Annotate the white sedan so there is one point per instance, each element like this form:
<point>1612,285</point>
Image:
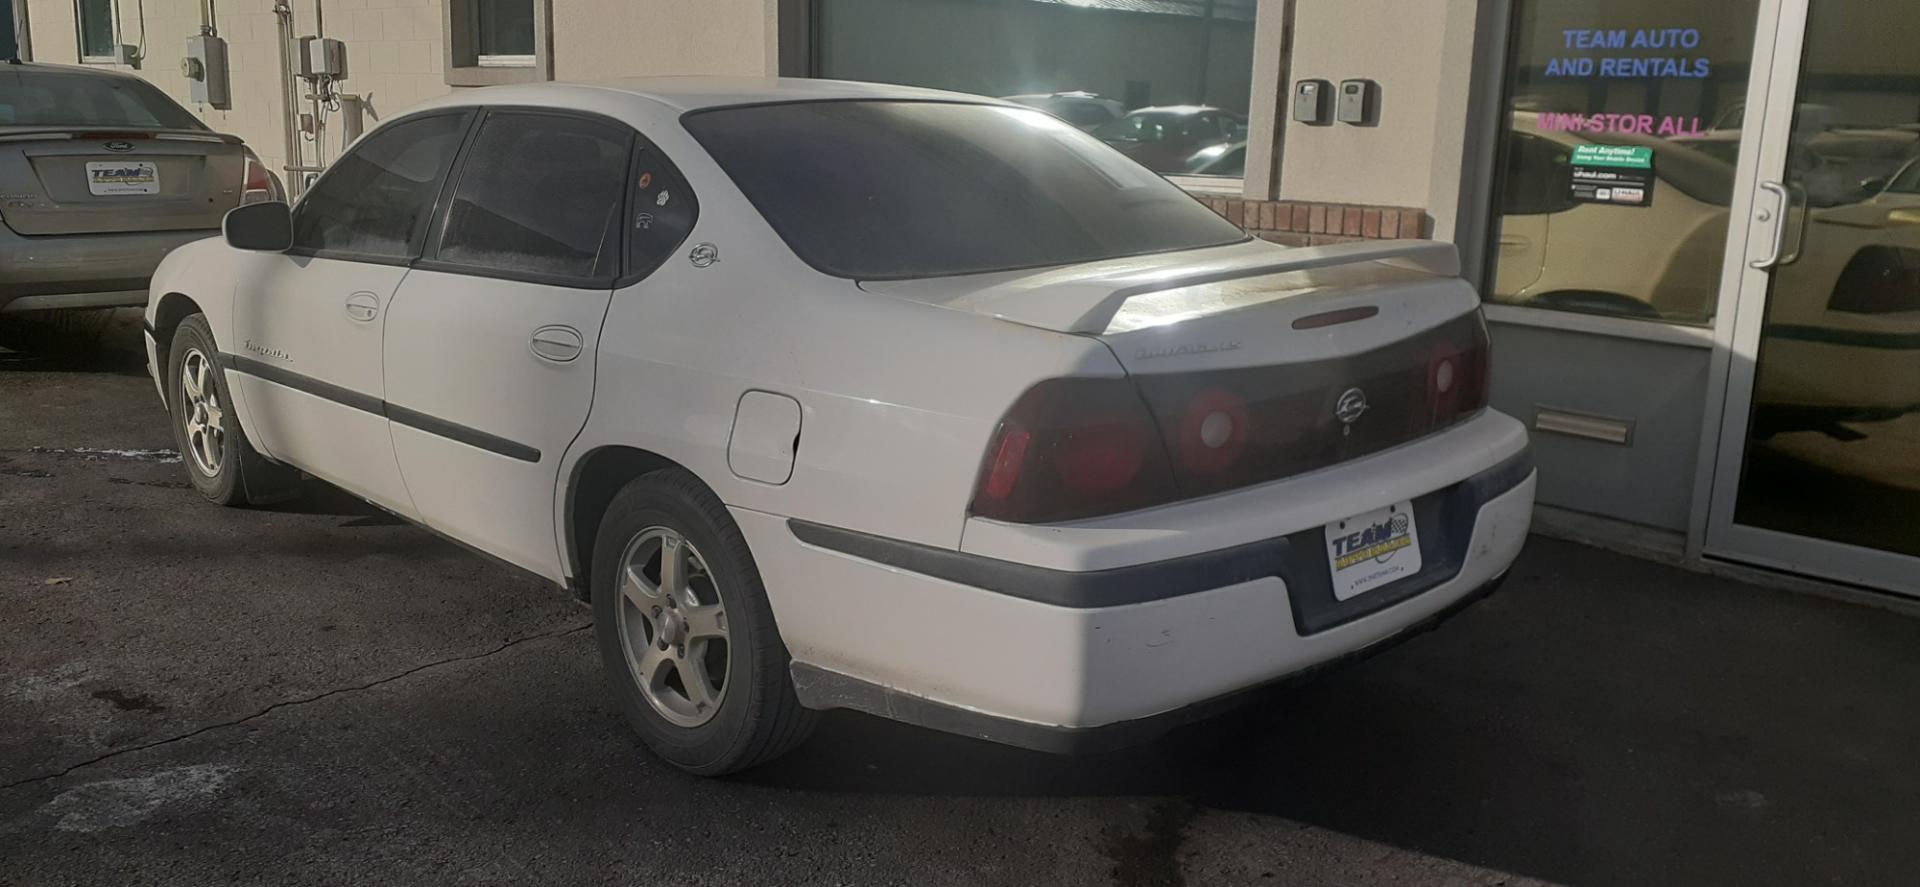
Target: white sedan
<point>835,395</point>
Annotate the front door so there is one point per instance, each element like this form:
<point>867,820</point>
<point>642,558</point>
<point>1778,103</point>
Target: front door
<point>1818,468</point>
<point>308,324</point>
<point>490,340</point>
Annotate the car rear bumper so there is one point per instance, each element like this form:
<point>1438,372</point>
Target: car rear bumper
<point>1073,659</point>
<point>83,270</point>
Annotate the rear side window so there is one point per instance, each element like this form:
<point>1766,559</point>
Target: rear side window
<point>31,97</point>
<point>540,194</point>
<point>375,202</point>
<point>891,189</point>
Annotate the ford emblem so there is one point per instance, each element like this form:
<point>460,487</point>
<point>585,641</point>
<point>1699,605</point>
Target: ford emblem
<point>118,146</point>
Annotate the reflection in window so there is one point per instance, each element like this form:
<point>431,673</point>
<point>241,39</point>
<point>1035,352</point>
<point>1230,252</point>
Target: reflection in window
<point>1636,233</point>
<point>1163,81</point>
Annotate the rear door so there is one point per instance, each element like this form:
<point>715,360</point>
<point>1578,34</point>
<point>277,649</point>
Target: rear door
<point>308,324</point>
<point>490,341</point>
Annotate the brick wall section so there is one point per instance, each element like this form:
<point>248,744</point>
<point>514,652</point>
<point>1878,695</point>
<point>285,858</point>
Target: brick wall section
<point>1310,224</point>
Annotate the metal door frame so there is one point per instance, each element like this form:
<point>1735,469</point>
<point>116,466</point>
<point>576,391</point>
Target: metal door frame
<point>1772,95</point>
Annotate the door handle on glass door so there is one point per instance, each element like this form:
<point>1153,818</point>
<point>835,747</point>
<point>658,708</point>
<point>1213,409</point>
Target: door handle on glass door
<point>556,343</point>
<point>363,307</point>
<point>1779,219</point>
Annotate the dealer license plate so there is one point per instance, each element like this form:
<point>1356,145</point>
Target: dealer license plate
<point>1373,549</point>
<point>108,177</point>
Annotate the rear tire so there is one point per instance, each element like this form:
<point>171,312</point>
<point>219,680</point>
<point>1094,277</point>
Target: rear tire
<point>691,652</point>
<point>220,461</point>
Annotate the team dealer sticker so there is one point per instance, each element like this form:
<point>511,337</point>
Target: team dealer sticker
<point>123,177</point>
<point>1373,549</point>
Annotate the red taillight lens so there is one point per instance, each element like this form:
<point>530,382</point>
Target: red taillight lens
<point>1073,448</point>
<point>1458,373</point>
<point>257,185</point>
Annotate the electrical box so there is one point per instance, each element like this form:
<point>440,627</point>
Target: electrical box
<point>205,67</point>
<point>323,57</point>
<point>1313,102</point>
<point>127,54</point>
<point>1359,102</point>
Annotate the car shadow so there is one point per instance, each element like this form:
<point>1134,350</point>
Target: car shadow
<point>77,341</point>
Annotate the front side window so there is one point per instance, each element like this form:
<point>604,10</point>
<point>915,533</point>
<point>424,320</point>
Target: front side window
<point>539,194</point>
<point>94,18</point>
<point>375,202</point>
<point>43,97</point>
<point>1125,55</point>
<point>890,189</point>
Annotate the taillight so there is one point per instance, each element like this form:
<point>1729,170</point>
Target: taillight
<point>1878,280</point>
<point>1073,448</point>
<point>1458,373</point>
<point>257,186</point>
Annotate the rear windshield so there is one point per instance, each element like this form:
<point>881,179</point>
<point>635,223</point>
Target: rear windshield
<point>60,98</point>
<point>875,190</point>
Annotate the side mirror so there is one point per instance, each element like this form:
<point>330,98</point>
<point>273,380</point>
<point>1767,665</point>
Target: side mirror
<point>262,227</point>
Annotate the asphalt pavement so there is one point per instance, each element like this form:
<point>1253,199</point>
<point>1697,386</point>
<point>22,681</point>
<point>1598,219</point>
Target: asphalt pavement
<point>317,693</point>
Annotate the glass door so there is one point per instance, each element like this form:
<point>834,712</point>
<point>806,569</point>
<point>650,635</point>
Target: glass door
<point>1818,466</point>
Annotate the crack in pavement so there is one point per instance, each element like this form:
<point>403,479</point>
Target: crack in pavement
<point>289,703</point>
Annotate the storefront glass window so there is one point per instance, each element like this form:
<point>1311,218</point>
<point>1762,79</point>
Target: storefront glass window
<point>1164,81</point>
<point>1617,159</point>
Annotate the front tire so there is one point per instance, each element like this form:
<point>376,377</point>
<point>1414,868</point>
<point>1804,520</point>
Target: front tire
<point>687,639</point>
<point>220,461</point>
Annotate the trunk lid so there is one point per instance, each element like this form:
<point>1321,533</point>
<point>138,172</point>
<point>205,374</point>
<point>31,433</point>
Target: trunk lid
<point>1257,363</point>
<point>84,180</point>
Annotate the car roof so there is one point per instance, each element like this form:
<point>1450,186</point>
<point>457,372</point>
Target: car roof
<point>693,93</point>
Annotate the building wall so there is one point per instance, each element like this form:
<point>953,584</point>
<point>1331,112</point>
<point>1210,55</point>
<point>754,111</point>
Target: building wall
<point>1421,54</point>
<point>396,53</point>
<point>598,39</point>
<point>393,56</point>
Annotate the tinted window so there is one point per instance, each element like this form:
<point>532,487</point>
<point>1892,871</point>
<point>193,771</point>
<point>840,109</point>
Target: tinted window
<point>376,200</point>
<point>1138,127</point>
<point>30,97</point>
<point>539,193</point>
<point>662,214</point>
<point>922,189</point>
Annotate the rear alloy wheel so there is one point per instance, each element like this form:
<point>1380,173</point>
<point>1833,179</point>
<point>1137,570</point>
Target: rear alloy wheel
<point>687,638</point>
<point>220,461</point>
<point>673,627</point>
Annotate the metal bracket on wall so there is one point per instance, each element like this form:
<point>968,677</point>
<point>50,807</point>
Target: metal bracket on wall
<point>1606,429</point>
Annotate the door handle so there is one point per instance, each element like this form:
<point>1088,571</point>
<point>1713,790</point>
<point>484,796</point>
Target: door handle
<point>363,307</point>
<point>1779,220</point>
<point>556,343</point>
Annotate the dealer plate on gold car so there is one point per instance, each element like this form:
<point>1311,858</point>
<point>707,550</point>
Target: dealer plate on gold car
<point>1373,549</point>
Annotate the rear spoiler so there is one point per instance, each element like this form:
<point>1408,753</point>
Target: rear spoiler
<point>1436,258</point>
<point>45,133</point>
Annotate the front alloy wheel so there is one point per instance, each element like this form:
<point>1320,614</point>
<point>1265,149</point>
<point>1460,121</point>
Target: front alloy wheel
<point>202,414</point>
<point>673,627</point>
